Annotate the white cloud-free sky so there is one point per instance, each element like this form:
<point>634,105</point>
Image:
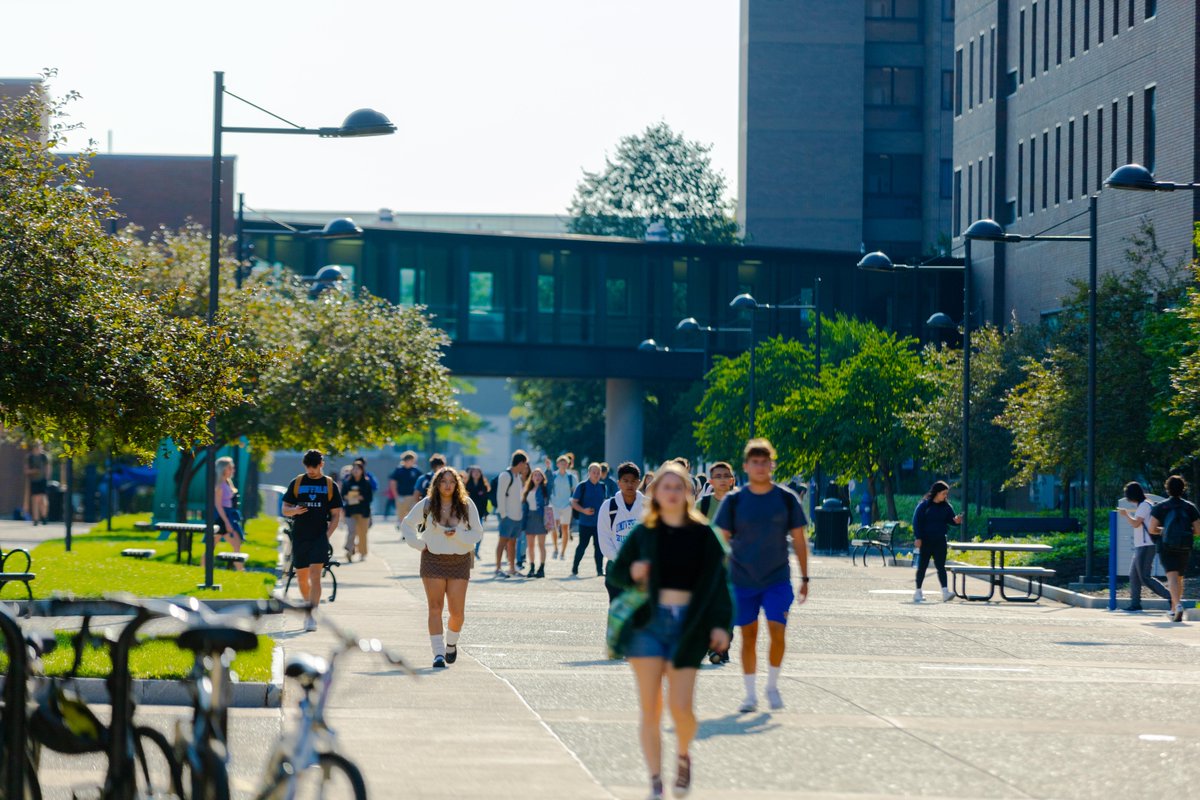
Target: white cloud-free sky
<point>499,103</point>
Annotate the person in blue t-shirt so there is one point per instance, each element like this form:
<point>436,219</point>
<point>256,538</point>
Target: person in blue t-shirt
<point>756,522</point>
<point>931,522</point>
<point>588,497</point>
<point>402,485</point>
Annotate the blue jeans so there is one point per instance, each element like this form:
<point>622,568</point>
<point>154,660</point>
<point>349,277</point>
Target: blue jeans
<point>660,638</point>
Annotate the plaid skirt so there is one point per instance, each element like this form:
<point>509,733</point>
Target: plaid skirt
<point>447,567</point>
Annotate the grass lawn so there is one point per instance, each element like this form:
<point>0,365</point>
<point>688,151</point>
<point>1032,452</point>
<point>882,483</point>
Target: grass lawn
<point>153,658</point>
<point>95,565</point>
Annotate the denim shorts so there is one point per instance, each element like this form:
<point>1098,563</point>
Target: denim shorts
<point>510,528</point>
<point>660,638</point>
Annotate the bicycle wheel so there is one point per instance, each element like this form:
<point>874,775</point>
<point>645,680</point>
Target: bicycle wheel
<point>158,769</point>
<point>213,784</point>
<point>335,777</point>
<point>33,789</point>
<point>329,584</point>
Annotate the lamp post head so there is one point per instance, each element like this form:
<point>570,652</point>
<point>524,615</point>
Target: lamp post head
<point>941,320</point>
<point>689,324</point>
<point>648,346</point>
<point>985,230</point>
<point>1134,177</point>
<point>342,228</point>
<point>876,262</point>
<point>365,122</point>
<point>743,302</point>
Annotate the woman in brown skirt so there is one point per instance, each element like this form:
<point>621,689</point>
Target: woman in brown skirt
<point>445,527</point>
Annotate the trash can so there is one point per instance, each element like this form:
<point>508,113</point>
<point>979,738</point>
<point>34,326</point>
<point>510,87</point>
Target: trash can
<point>833,527</point>
<point>54,497</point>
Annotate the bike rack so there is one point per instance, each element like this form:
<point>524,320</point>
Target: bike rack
<point>15,697</point>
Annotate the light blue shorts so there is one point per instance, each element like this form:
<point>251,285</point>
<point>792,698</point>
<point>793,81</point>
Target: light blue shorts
<point>660,638</point>
<point>510,528</point>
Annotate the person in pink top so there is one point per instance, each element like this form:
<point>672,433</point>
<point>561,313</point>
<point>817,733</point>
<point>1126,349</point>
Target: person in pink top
<point>225,500</point>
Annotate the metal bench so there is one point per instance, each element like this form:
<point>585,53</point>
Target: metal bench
<point>135,552</point>
<point>184,531</point>
<point>996,576</point>
<point>874,537</point>
<point>229,559</point>
<point>1018,526</point>
<point>9,575</point>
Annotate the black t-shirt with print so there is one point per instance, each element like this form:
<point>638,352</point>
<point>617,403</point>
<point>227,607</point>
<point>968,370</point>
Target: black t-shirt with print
<point>319,496</point>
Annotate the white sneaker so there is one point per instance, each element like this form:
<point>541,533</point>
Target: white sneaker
<point>918,596</point>
<point>1179,613</point>
<point>748,706</point>
<point>947,595</point>
<point>310,624</point>
<point>774,699</point>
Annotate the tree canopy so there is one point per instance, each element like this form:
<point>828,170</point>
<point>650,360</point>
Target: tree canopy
<point>655,176</point>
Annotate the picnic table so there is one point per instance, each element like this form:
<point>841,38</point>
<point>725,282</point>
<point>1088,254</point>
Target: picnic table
<point>997,571</point>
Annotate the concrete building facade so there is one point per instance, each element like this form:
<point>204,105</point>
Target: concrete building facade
<point>845,124</point>
<point>1049,97</point>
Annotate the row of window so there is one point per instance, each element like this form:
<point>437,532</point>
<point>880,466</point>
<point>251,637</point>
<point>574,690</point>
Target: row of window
<point>1041,179</point>
<point>1079,20</point>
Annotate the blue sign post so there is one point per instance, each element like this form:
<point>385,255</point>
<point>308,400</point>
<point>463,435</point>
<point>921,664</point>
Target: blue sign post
<point>1113,527</point>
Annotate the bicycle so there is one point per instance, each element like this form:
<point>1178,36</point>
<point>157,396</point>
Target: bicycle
<point>18,771</point>
<point>328,578</point>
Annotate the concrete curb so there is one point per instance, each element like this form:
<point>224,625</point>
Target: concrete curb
<point>153,692</point>
<point>21,607</point>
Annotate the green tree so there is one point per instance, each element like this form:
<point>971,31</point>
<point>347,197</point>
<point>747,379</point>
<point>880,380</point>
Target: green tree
<point>852,423</point>
<point>84,357</point>
<point>655,176</point>
<point>1170,342</point>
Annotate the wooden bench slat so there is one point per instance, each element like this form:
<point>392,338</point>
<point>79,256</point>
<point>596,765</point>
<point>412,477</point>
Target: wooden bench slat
<point>973,570</point>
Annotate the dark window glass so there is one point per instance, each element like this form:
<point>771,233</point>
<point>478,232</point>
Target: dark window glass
<point>1071,159</point>
<point>1099,21</point>
<point>1058,33</point>
<point>1087,25</point>
<point>1116,17</point>
<point>1085,135</point>
<point>956,202</point>
<point>1046,36</point>
<point>1033,41</point>
<point>893,9</point>
<point>1020,178</point>
<point>948,90</point>
<point>1057,164</point>
<point>1132,12</point>
<point>1151,8</point>
<point>970,193</point>
<point>1115,128</point>
<point>971,74</point>
<point>946,179</point>
<point>992,66</point>
<point>958,82</point>
<point>892,186</point>
<point>1045,169</point>
<point>979,191</point>
<point>1021,53</point>
<point>1032,174</point>
<point>893,86</point>
<point>1099,149</point>
<point>1129,129</point>
<point>947,9</point>
<point>1149,126</point>
<point>1073,28</point>
<point>991,192</point>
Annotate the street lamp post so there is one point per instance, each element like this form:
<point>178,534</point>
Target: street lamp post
<point>363,122</point>
<point>986,230</point>
<point>690,325</point>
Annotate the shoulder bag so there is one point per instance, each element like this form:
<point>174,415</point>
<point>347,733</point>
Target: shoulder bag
<point>621,612</point>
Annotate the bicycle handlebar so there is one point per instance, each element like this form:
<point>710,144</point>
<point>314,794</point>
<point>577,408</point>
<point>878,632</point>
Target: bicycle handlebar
<point>347,639</point>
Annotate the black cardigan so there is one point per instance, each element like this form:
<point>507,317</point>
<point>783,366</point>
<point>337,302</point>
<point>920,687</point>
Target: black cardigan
<point>711,606</point>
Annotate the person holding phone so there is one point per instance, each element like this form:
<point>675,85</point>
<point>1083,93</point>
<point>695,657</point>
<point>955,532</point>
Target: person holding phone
<point>931,522</point>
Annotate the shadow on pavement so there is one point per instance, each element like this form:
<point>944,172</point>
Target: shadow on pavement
<point>735,725</point>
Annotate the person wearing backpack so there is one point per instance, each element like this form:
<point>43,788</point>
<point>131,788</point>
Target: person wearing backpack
<point>1143,549</point>
<point>720,483</point>
<point>510,509</point>
<point>619,515</point>
<point>1175,523</point>
<point>562,486</point>
<point>314,504</point>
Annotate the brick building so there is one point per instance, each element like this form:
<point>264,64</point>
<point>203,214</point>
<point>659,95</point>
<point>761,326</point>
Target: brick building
<point>1049,97</point>
<point>845,124</point>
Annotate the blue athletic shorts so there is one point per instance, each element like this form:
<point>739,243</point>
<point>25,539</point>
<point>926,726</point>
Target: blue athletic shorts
<point>510,528</point>
<point>775,601</point>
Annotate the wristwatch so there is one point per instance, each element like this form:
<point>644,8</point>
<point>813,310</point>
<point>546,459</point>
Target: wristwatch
<point>804,578</point>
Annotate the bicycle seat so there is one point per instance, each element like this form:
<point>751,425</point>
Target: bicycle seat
<point>217,639</point>
<point>305,668</point>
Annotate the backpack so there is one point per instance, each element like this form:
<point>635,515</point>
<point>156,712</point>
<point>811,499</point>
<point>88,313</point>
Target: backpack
<point>289,523</point>
<point>706,504</point>
<point>1177,533</point>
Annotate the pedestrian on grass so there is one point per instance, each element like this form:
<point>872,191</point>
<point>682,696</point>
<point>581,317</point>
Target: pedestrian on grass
<point>536,497</point>
<point>756,522</point>
<point>931,521</point>
<point>618,516</point>
<point>676,557</point>
<point>562,486</point>
<point>314,504</point>
<point>445,527</point>
<point>1142,563</point>
<point>510,508</point>
<point>225,501</point>
<point>586,501</point>
<point>1176,524</point>
<point>357,495</point>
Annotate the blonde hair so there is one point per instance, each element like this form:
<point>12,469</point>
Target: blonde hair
<point>654,510</point>
<point>221,463</point>
<point>542,488</point>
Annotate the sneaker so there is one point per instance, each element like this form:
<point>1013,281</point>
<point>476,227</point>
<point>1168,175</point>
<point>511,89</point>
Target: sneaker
<point>656,789</point>
<point>918,596</point>
<point>947,595</point>
<point>574,573</point>
<point>439,662</point>
<point>774,699</point>
<point>310,624</point>
<point>725,657</point>
<point>683,777</point>
<point>451,653</point>
<point>714,657</point>
<point>748,706</point>
<point>1133,610</point>
<point>1179,613</point>
<point>501,574</point>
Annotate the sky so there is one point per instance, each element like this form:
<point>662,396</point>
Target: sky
<point>500,104</point>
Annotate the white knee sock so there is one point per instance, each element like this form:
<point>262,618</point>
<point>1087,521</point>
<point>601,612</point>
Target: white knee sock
<point>750,681</point>
<point>452,637</point>
<point>438,644</point>
<point>772,678</point>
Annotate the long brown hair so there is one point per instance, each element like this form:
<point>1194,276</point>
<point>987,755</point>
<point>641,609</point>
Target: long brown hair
<point>458,500</point>
<point>544,489</point>
<point>654,510</point>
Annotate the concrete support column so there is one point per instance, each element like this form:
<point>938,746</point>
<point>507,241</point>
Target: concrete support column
<point>623,422</point>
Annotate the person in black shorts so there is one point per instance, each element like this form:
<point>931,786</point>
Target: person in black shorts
<point>37,470</point>
<point>314,504</point>
<point>1174,526</point>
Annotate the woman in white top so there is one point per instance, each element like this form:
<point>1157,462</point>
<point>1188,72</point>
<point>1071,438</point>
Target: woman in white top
<point>444,527</point>
<point>536,497</point>
<point>562,486</point>
<point>1143,549</point>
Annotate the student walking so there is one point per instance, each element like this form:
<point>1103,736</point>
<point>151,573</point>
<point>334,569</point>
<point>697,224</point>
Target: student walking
<point>610,485</point>
<point>562,487</point>
<point>536,497</point>
<point>931,521</point>
<point>357,494</point>
<point>225,502</point>
<point>421,488</point>
<point>586,501</point>
<point>511,511</point>
<point>1142,563</point>
<point>617,518</point>
<point>402,484</point>
<point>445,527</point>
<point>314,504</point>
<point>756,522</point>
<point>1176,523</point>
<point>479,489</point>
<point>675,556</point>
<point>721,482</point>
<point>37,473</point>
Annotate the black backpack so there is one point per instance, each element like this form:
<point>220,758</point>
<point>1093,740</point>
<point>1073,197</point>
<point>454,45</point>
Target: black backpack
<point>1177,532</point>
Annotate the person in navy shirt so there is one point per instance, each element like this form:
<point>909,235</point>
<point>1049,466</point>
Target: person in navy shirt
<point>931,522</point>
<point>589,496</point>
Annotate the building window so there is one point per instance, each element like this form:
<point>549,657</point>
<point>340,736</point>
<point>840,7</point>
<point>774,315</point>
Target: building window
<point>971,74</point>
<point>1033,41</point>
<point>1115,108</point>
<point>408,287</point>
<point>1071,160</point>
<point>1083,160</point>
<point>958,82</point>
<point>545,294</point>
<point>1057,164</point>
<point>1129,129</point>
<point>1021,50</point>
<point>1046,36</point>
<point>1087,25</point>
<point>1020,178</point>
<point>1073,2</point>
<point>1058,33</point>
<point>948,10</point>
<point>946,179</point>
<point>957,202</point>
<point>1132,13</point>
<point>1151,8</point>
<point>893,86</point>
<point>1149,126</point>
<point>893,9</point>
<point>970,193</point>
<point>1032,174</point>
<point>982,65</point>
<point>481,291</point>
<point>1099,21</point>
<point>992,66</point>
<point>991,192</point>
<point>1116,18</point>
<point>947,90</point>
<point>1099,148</point>
<point>617,290</point>
<point>892,186</point>
<point>979,191</point>
<point>1045,169</point>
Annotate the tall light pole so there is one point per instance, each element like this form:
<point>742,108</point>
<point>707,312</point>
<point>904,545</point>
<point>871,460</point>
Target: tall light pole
<point>363,122</point>
<point>986,230</point>
<point>690,325</point>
